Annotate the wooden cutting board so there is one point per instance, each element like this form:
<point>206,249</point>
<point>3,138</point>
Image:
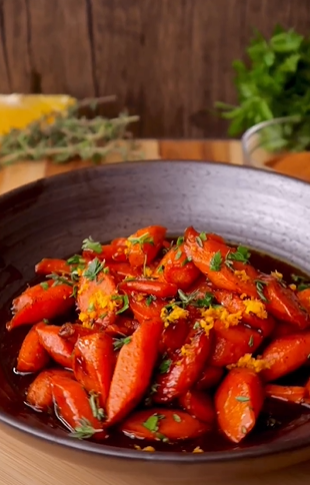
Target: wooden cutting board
<point>22,463</point>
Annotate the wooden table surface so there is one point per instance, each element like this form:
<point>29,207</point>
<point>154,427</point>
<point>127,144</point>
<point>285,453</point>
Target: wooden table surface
<point>20,463</point>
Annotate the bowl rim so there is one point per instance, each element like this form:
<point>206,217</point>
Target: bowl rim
<point>232,455</point>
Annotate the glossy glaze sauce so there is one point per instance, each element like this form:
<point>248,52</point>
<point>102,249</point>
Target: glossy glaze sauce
<point>276,418</point>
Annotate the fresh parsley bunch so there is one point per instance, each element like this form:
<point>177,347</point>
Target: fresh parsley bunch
<point>274,84</point>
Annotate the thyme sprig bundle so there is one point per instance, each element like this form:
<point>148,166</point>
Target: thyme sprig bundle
<point>63,136</point>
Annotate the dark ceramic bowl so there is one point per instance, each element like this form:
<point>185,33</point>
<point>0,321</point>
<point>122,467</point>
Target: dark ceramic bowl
<point>50,218</point>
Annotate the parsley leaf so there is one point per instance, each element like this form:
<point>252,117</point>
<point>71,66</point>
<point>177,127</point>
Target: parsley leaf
<point>44,285</point>
<point>260,289</point>
<point>150,299</point>
<point>125,300</point>
<point>119,342</point>
<point>76,259</point>
<point>165,366</point>
<point>216,261</point>
<point>93,269</point>
<point>91,245</point>
<point>242,254</point>
<point>84,430</point>
<point>145,238</point>
<point>152,422</point>
<point>242,398</point>
<point>97,411</point>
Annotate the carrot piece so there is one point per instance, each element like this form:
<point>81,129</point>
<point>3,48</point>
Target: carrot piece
<point>233,303</point>
<point>238,402</point>
<point>308,388</point>
<point>37,303</point>
<point>133,370</point>
<point>59,348</point>
<point>123,326</point>
<point>199,405</point>
<point>177,269</point>
<point>73,406</point>
<point>281,329</point>
<point>210,377</point>
<point>286,393</point>
<point>285,355</point>
<point>163,424</point>
<point>173,336</point>
<point>144,245</point>
<point>97,297</point>
<point>146,308</point>
<point>39,394</point>
<point>32,356</point>
<point>185,367</point>
<point>232,343</point>
<point>93,362</point>
<point>160,289</point>
<point>116,251</point>
<point>304,298</point>
<point>204,254</point>
<point>58,266</point>
<point>122,270</point>
<point>283,303</point>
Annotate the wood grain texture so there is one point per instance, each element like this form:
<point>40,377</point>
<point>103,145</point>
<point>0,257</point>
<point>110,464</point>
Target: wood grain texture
<point>169,61</point>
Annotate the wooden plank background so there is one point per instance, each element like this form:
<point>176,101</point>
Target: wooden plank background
<point>166,60</point>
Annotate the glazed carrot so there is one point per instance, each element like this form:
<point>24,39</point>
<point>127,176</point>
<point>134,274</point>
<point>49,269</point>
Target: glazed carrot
<point>286,354</point>
<point>177,269</point>
<point>39,302</point>
<point>58,266</point>
<point>163,424</point>
<point>283,303</point>
<point>32,356</point>
<point>199,405</point>
<point>97,297</point>
<point>210,377</point>
<point>124,326</point>
<point>253,310</point>
<point>173,337</point>
<point>304,298</point>
<point>108,252</point>
<point>133,370</point>
<point>281,329</point>
<point>209,255</point>
<point>93,362</point>
<point>238,402</point>
<point>74,408</point>
<point>232,343</point>
<point>148,308</point>
<point>59,348</point>
<point>122,270</point>
<point>286,393</point>
<point>160,289</point>
<point>144,245</point>
<point>184,368</point>
<point>39,394</point>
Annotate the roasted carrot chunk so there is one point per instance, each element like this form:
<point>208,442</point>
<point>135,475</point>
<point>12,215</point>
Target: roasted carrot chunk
<point>59,348</point>
<point>39,302</point>
<point>39,394</point>
<point>283,328</point>
<point>183,370</point>
<point>160,289</point>
<point>74,409</point>
<point>286,393</point>
<point>210,377</point>
<point>232,343</point>
<point>163,424</point>
<point>304,299</point>
<point>144,245</point>
<point>123,326</point>
<point>148,308</point>
<point>173,337</point>
<point>93,363</point>
<point>116,251</point>
<point>238,402</point>
<point>283,303</point>
<point>57,266</point>
<point>199,405</point>
<point>286,354</point>
<point>133,371</point>
<point>32,356</point>
<point>209,255</point>
<point>176,268</point>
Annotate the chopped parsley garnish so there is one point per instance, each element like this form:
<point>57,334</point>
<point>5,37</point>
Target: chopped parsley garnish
<point>242,398</point>
<point>46,321</point>
<point>302,282</point>
<point>165,366</point>
<point>59,280</point>
<point>196,326</point>
<point>242,255</point>
<point>150,299</point>
<point>186,260</point>
<point>206,301</point>
<point>119,342</point>
<point>125,300</point>
<point>203,236</point>
<point>160,269</point>
<point>44,285</point>
<point>229,264</point>
<point>93,269</point>
<point>260,289</point>
<point>177,418</point>
<point>84,430</point>
<point>216,261</point>
<point>90,245</point>
<point>251,341</point>
<point>244,430</point>
<point>178,255</point>
<point>97,411</point>
<point>152,422</point>
<point>145,238</point>
<point>180,241</point>
<point>76,259</point>
<point>199,241</point>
